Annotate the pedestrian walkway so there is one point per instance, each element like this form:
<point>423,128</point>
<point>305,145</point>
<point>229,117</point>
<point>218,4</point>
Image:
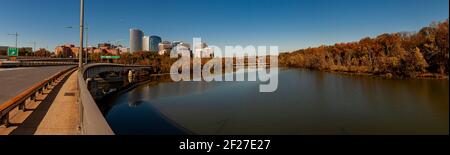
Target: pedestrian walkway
<point>63,117</point>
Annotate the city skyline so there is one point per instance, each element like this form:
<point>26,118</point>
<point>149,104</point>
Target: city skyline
<point>288,24</point>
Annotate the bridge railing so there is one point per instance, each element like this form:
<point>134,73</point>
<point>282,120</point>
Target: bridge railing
<point>45,63</point>
<point>92,120</point>
<point>20,100</point>
<point>34,63</point>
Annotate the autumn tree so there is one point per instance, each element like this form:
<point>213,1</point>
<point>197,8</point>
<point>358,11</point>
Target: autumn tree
<point>405,54</point>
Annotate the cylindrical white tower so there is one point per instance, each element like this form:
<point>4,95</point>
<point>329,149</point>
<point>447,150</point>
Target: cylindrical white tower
<point>136,36</point>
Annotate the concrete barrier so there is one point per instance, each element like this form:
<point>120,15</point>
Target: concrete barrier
<point>92,120</point>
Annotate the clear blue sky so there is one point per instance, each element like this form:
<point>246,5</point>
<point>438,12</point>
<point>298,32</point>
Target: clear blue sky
<point>290,24</point>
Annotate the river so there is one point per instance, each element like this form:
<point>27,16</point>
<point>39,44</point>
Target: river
<point>306,103</point>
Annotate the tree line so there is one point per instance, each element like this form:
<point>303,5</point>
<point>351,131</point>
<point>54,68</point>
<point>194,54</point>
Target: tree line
<point>401,55</point>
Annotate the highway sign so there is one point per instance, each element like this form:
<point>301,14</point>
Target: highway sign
<point>110,57</point>
<point>13,52</point>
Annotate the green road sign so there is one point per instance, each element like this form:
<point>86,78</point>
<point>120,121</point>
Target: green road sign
<point>110,57</point>
<point>13,52</point>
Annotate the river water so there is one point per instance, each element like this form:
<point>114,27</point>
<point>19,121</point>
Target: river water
<point>306,103</point>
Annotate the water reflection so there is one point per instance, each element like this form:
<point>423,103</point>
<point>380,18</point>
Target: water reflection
<point>307,102</point>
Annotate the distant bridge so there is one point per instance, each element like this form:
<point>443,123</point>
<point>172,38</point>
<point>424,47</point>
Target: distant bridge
<point>93,122</point>
<point>37,61</point>
<point>49,59</point>
<point>38,58</point>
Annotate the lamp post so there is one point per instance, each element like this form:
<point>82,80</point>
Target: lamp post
<point>87,42</point>
<point>17,36</point>
<point>34,46</point>
<point>80,53</point>
<point>17,48</point>
<point>87,46</point>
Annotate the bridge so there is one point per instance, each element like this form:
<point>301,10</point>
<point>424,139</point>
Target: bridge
<point>60,100</point>
<point>36,58</point>
<point>36,62</point>
<point>93,122</point>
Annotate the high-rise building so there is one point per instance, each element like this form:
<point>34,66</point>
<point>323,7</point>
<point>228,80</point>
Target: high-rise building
<point>136,37</point>
<point>154,43</point>
<point>146,43</point>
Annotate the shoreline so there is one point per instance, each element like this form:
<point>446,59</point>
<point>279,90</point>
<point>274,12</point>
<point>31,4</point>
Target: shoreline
<point>422,76</point>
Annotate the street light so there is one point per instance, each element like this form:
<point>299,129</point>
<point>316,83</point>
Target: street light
<point>80,57</point>
<point>87,43</point>
<point>17,36</point>
<point>34,46</point>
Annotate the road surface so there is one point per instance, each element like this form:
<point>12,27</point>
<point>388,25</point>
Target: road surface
<point>13,81</point>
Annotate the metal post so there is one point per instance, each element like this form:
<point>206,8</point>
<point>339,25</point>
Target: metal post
<point>5,120</point>
<point>17,36</point>
<point>87,45</point>
<point>22,106</point>
<point>34,47</point>
<point>80,52</point>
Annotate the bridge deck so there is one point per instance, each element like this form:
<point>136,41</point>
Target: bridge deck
<point>13,81</point>
<point>57,113</point>
<point>63,117</point>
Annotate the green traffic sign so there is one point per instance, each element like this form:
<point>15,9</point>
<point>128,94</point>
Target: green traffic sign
<point>13,52</point>
<point>110,57</point>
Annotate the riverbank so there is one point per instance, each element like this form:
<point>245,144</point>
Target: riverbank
<point>424,54</point>
<point>387,75</point>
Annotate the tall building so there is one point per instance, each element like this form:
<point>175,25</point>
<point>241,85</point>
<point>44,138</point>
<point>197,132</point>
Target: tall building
<point>146,43</point>
<point>136,37</point>
<point>154,43</point>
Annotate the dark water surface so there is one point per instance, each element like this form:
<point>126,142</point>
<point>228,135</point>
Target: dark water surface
<point>307,102</point>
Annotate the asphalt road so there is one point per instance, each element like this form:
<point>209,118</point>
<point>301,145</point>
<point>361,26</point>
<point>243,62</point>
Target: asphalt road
<point>13,81</point>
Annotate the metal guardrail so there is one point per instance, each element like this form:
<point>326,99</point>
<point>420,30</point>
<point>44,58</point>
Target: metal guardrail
<point>38,58</point>
<point>49,59</point>
<point>45,63</point>
<point>31,93</point>
<point>34,63</point>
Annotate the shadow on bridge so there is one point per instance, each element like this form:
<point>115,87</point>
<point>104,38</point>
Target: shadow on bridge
<point>31,124</point>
